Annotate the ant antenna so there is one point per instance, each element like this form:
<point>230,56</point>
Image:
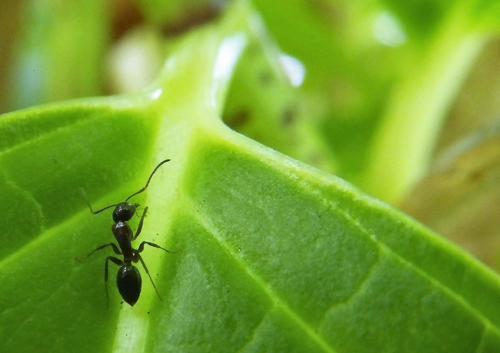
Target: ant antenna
<point>144,188</point>
<point>88,203</point>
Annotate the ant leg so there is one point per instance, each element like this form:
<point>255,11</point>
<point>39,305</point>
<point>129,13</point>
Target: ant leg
<point>139,228</point>
<point>147,271</point>
<point>141,247</point>
<point>90,207</point>
<point>119,263</point>
<point>115,249</point>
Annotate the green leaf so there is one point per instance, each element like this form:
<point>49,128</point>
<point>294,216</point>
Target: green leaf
<point>423,18</point>
<point>266,106</point>
<point>275,256</point>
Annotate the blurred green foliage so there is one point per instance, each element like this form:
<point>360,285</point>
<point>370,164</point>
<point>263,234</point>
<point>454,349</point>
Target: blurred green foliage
<point>381,76</point>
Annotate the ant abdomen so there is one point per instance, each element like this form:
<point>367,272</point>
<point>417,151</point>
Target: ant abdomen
<point>129,283</point>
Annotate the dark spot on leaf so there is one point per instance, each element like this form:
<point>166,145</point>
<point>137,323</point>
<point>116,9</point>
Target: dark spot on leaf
<point>265,77</point>
<point>237,119</point>
<point>476,176</point>
<point>289,115</point>
<point>192,18</point>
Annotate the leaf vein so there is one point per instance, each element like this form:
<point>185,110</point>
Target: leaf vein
<point>278,302</point>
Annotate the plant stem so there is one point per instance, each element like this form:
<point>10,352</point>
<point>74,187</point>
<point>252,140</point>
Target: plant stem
<point>403,146</point>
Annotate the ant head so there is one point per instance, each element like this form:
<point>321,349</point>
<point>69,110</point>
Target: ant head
<point>124,211</point>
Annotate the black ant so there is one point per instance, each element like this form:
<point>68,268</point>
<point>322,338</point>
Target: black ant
<point>128,278</point>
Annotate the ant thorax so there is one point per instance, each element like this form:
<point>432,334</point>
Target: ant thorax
<point>123,235</point>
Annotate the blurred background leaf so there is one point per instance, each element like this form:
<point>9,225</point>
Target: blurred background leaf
<point>58,43</point>
<point>386,86</point>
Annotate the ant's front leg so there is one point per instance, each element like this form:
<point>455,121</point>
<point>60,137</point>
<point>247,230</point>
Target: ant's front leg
<point>141,247</point>
<point>139,228</point>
